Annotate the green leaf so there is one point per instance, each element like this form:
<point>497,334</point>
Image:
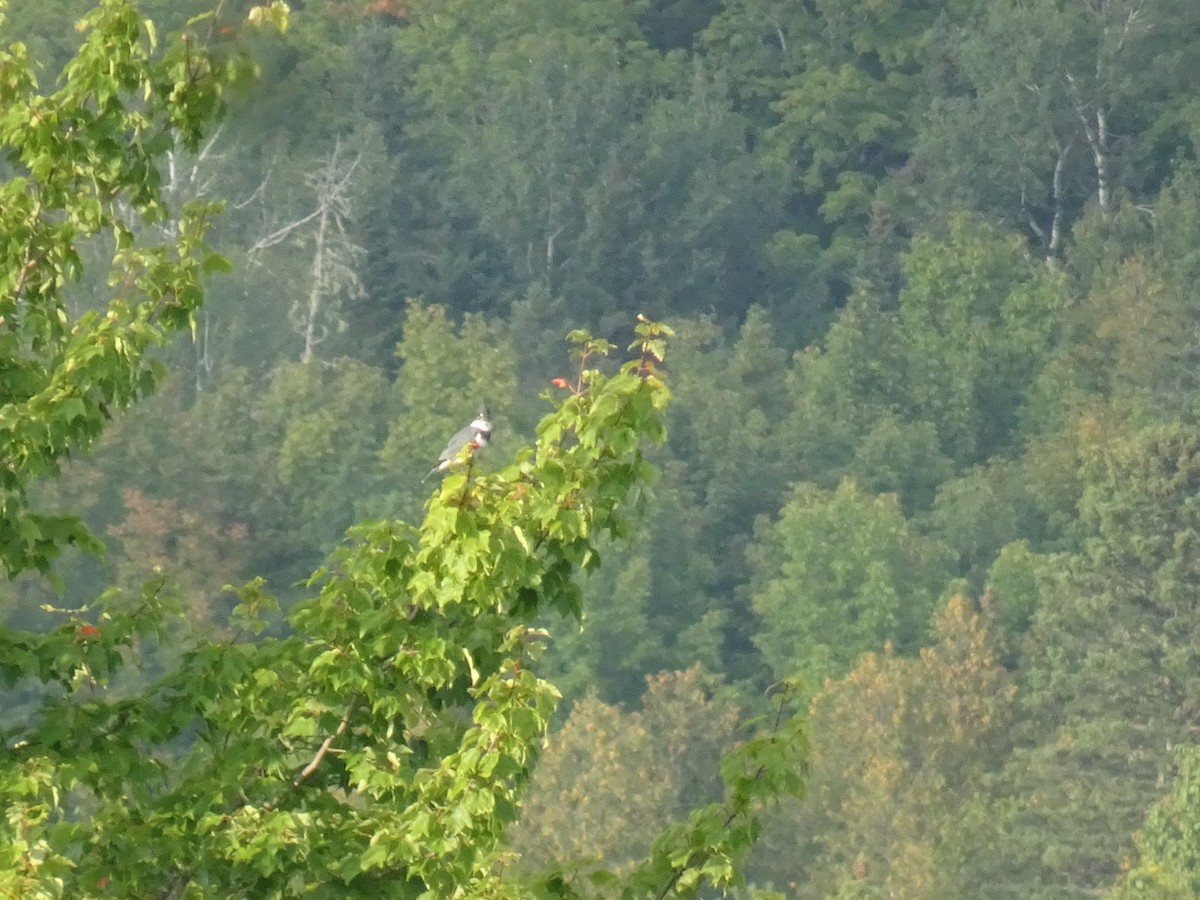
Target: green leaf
<point>215,262</point>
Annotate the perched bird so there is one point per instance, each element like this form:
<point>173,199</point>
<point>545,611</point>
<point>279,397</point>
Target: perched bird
<point>470,439</point>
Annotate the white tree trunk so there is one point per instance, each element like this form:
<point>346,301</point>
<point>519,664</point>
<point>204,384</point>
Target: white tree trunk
<point>314,292</point>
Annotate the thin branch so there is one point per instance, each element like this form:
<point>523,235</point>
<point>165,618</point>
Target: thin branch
<point>324,748</point>
<point>277,237</point>
<point>203,155</point>
<point>1135,13</point>
<point>258,191</point>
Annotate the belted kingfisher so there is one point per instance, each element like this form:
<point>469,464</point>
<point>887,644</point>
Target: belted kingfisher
<point>474,436</point>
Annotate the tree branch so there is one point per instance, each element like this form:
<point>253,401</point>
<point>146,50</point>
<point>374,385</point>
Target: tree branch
<point>272,239</point>
<point>326,745</point>
<point>324,748</point>
<point>735,809</point>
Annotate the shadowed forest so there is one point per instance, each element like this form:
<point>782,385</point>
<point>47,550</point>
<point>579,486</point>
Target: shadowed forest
<point>934,438</point>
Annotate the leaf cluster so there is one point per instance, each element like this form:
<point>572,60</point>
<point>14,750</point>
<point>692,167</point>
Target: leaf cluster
<point>83,163</point>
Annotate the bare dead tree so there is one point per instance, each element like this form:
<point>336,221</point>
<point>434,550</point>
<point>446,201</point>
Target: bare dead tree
<point>333,275</point>
<point>1120,20</point>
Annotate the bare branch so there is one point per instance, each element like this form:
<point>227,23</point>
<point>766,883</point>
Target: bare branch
<point>278,237</point>
<point>258,191</point>
<point>323,749</point>
<point>212,142</point>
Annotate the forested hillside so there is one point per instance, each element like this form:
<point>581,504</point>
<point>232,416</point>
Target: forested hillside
<point>934,437</point>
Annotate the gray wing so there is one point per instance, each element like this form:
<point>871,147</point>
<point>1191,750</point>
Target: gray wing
<point>460,440</point>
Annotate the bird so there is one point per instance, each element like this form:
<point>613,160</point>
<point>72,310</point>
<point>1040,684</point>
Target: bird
<point>470,439</point>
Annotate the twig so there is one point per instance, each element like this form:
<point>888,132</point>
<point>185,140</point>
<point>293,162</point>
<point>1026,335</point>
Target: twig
<point>314,764</point>
<point>324,748</point>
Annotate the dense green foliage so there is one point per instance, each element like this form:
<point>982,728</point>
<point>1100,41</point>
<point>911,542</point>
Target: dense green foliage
<point>934,444</point>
